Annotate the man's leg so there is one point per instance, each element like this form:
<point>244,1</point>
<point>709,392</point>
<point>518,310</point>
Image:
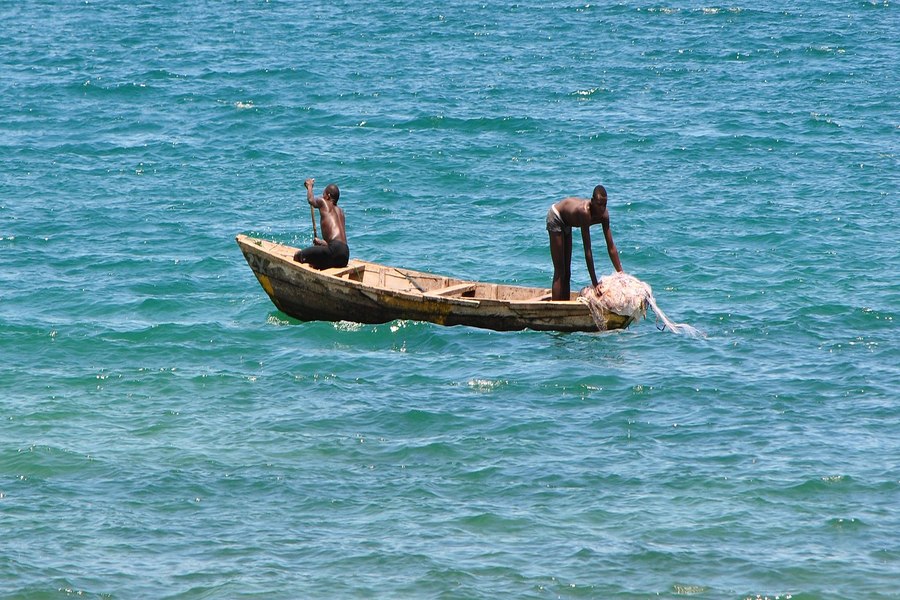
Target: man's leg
<point>566,290</point>
<point>314,256</point>
<point>558,255</point>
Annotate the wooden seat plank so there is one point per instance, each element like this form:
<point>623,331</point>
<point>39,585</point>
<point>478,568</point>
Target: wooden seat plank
<point>453,290</point>
<point>542,298</point>
<point>351,272</point>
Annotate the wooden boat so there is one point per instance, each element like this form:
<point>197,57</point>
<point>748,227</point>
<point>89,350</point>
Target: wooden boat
<point>367,292</point>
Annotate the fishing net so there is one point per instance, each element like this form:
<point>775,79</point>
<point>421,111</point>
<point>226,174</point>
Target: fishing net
<point>627,296</point>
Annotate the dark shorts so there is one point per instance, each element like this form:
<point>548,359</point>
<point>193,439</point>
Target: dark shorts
<point>555,223</point>
<point>335,254</point>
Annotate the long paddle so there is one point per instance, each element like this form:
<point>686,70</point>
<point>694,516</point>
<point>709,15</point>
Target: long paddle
<point>312,213</point>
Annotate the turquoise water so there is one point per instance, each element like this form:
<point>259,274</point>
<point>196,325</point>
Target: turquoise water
<point>165,432</point>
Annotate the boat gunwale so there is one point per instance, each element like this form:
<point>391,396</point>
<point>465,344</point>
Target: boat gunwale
<point>406,272</point>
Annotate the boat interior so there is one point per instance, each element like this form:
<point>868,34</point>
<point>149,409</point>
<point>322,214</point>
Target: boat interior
<point>408,281</point>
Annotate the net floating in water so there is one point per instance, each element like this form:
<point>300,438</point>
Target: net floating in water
<point>628,296</point>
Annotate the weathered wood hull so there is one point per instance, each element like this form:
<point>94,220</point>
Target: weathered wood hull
<point>366,292</point>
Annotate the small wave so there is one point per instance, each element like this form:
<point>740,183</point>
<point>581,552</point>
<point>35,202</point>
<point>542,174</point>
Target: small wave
<point>160,74</point>
<point>399,324</point>
<point>486,385</point>
<point>716,10</point>
<point>348,326</point>
<point>848,523</point>
<point>821,484</point>
<point>479,124</point>
<point>823,119</point>
<point>825,50</point>
<point>117,89</point>
<point>687,589</point>
<point>273,319</point>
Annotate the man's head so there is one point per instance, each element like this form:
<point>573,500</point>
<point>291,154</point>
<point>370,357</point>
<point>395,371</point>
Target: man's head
<point>332,193</point>
<point>598,203</point>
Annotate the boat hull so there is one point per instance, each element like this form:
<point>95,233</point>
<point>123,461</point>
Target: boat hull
<point>366,292</point>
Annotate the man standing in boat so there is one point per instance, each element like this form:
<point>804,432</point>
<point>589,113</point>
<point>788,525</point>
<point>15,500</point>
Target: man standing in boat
<point>561,218</point>
<point>332,251</point>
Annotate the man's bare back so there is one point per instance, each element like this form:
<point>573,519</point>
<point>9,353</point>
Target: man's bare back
<point>577,212</point>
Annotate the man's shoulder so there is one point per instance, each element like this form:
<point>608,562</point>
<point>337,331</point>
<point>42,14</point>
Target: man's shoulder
<point>570,205</point>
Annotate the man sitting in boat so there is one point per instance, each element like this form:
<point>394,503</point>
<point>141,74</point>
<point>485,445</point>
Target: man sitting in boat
<point>332,251</point>
<point>582,213</point>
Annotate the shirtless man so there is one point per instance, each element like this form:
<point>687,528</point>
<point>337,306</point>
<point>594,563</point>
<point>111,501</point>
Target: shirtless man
<point>332,251</point>
<point>561,218</point>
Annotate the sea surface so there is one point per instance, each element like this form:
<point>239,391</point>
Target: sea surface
<point>166,432</point>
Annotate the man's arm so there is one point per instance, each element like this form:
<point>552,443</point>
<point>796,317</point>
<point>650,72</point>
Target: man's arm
<point>588,253</point>
<point>611,247</point>
<point>313,201</point>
